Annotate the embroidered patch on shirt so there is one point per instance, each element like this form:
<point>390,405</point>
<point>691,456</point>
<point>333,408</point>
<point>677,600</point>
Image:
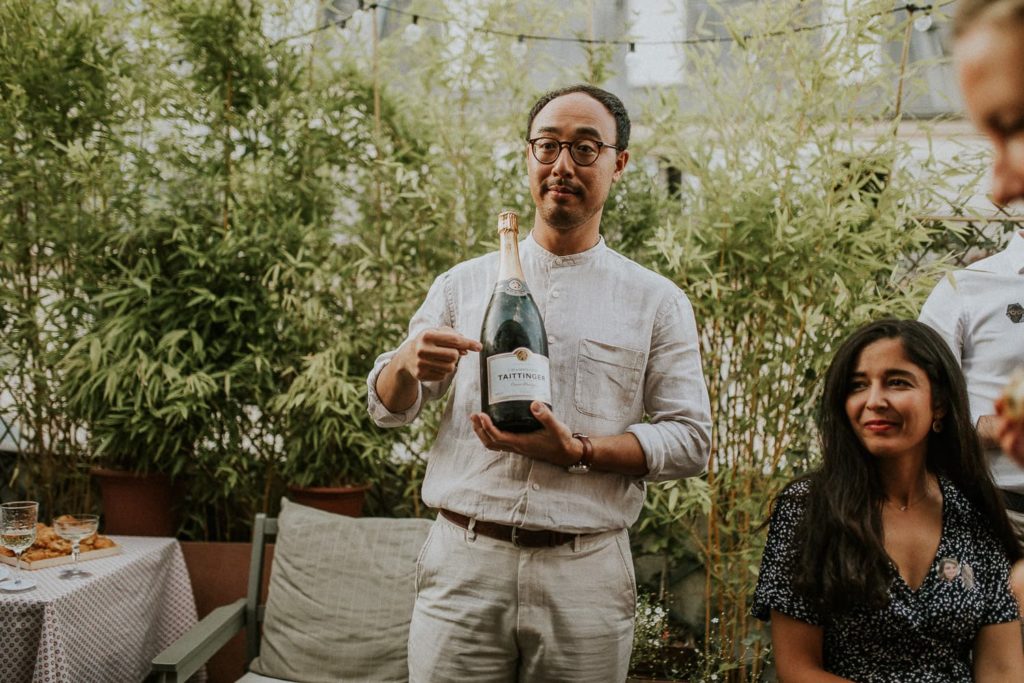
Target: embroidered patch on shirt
<point>1015,312</point>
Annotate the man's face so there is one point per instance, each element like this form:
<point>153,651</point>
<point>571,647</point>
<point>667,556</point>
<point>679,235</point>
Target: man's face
<point>568,195</point>
<point>990,65</point>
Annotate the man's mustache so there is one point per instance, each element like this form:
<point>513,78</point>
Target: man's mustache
<point>562,184</point>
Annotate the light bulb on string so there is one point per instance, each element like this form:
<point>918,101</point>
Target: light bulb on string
<point>923,22</point>
<point>359,16</point>
<point>413,32</point>
<point>632,58</point>
<point>519,47</point>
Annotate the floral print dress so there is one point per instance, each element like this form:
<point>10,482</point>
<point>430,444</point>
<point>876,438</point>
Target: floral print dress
<point>922,635</point>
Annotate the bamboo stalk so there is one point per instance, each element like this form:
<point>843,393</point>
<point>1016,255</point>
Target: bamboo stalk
<point>902,77</point>
<point>377,199</point>
<point>228,97</point>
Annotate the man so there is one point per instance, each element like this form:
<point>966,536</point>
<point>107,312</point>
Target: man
<point>527,573</point>
<point>979,314</point>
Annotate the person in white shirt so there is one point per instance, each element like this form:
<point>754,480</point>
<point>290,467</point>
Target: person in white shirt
<point>973,310</point>
<point>980,312</point>
<point>527,573</point>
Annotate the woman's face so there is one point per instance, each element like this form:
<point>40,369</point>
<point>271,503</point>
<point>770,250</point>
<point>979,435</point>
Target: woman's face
<point>890,402</point>
<point>990,65</point>
<point>949,570</point>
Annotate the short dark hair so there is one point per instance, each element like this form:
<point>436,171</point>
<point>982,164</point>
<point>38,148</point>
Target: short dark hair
<point>612,103</point>
<point>970,12</point>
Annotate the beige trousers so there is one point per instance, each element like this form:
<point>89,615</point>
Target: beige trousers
<point>487,611</point>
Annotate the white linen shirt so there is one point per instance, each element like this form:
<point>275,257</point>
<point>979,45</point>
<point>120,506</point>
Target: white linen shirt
<point>623,345</point>
<point>975,314</point>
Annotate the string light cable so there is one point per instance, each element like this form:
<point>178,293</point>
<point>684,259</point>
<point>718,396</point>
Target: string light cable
<point>416,17</point>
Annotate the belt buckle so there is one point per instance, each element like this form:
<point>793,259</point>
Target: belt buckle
<point>515,537</point>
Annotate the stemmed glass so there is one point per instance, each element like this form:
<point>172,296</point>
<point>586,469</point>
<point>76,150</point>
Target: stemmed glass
<point>17,534</point>
<point>75,528</point>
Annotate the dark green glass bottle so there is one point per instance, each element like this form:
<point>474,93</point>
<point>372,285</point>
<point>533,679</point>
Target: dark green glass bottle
<point>514,368</point>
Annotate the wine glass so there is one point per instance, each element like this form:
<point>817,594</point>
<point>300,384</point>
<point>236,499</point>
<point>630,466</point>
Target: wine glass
<point>17,534</point>
<point>75,528</point>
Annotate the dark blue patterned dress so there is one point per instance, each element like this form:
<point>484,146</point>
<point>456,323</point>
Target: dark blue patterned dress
<point>921,636</point>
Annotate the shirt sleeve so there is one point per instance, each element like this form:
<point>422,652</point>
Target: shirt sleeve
<point>943,312</point>
<point>778,564</point>
<point>677,440</point>
<point>435,311</point>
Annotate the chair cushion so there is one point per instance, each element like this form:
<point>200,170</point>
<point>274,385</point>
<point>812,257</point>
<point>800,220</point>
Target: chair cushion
<point>250,677</point>
<point>340,598</point>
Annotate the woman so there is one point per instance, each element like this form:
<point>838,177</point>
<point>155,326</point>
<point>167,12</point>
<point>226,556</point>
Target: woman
<point>851,576</point>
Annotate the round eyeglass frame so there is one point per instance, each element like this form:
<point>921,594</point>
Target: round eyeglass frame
<point>562,144</point>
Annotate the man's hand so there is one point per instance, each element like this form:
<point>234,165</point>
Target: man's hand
<point>552,443</point>
<point>1009,432</point>
<point>432,356</point>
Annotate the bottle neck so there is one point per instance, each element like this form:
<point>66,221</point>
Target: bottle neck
<point>509,265</point>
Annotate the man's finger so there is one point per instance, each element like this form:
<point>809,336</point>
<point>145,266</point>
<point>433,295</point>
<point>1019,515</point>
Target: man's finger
<point>451,339</point>
<point>481,432</point>
<point>495,435</point>
<point>439,354</point>
<point>543,414</point>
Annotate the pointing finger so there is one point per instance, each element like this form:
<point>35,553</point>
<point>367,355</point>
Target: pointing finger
<point>451,339</point>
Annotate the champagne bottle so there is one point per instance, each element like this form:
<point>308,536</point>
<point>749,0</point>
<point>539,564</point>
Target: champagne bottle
<point>514,368</point>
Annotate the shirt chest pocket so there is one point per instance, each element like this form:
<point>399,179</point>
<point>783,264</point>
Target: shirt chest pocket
<point>607,379</point>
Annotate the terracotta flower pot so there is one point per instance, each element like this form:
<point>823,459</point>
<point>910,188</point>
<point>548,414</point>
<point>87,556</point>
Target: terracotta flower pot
<point>137,504</point>
<point>341,500</point>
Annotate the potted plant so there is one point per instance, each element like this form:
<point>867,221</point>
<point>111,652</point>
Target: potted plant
<point>332,449</point>
<point>143,382</point>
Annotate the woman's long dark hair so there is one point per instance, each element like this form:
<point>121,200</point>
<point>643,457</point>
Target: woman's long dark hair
<point>842,560</point>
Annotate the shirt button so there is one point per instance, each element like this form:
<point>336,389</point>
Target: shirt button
<point>551,339</point>
<point>555,294</point>
<point>536,487</point>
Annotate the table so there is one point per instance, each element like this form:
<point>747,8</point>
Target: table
<point>105,627</point>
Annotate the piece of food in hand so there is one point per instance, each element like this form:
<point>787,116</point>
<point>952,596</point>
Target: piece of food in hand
<point>1012,399</point>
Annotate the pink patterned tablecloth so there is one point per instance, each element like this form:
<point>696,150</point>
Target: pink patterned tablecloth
<point>106,627</point>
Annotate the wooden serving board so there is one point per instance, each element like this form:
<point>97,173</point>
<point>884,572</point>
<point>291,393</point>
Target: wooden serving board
<point>63,559</point>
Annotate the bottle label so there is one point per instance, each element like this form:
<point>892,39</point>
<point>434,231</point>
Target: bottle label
<point>518,376</point>
<point>513,286</point>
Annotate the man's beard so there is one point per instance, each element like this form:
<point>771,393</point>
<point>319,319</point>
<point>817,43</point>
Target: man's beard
<point>561,217</point>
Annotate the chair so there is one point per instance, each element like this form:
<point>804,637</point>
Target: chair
<point>339,602</point>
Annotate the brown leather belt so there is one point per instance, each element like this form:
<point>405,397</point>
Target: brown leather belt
<point>517,536</point>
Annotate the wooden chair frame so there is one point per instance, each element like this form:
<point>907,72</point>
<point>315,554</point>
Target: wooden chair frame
<point>190,652</point>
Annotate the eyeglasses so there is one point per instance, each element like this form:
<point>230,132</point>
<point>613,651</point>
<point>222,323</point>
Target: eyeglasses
<point>584,152</point>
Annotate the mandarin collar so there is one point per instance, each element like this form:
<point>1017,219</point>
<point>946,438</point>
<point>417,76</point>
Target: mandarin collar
<point>550,260</point>
<point>1015,251</point>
